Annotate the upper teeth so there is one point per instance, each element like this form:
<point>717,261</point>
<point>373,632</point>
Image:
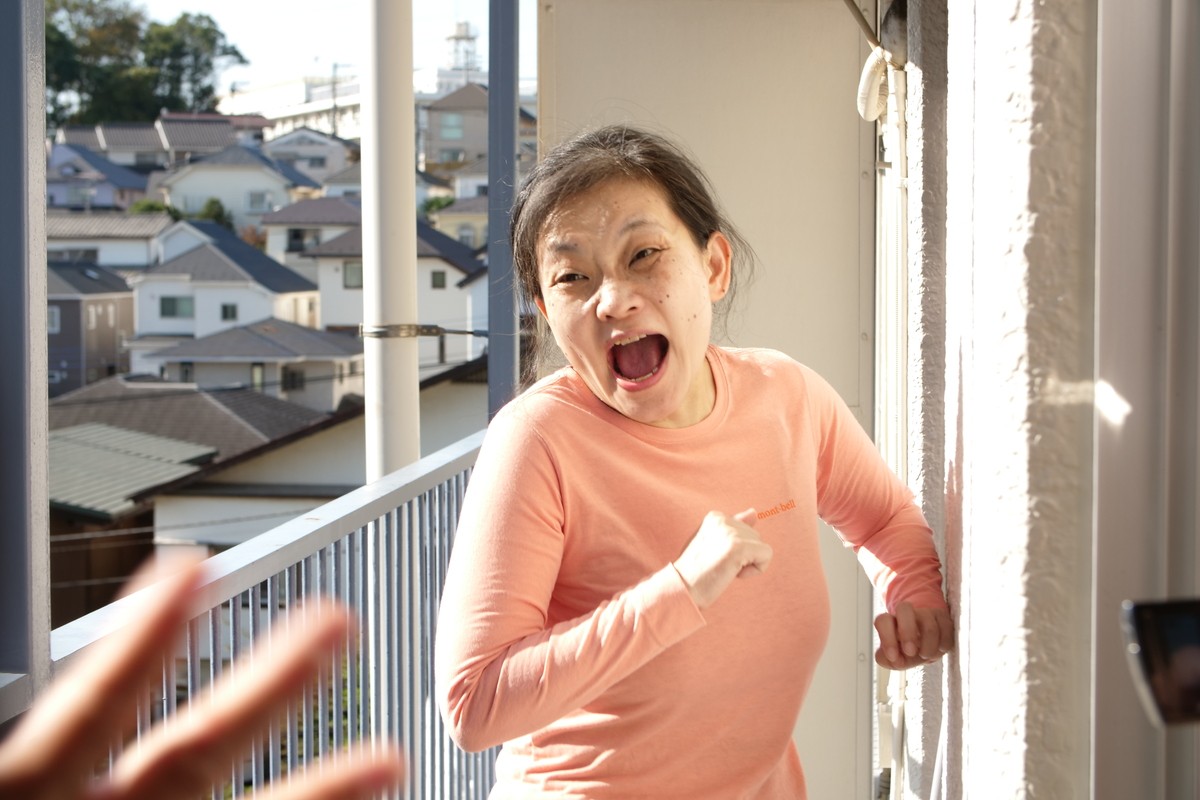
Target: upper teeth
<point>630,340</point>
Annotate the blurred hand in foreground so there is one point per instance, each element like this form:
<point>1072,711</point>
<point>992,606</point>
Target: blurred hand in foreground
<point>54,750</point>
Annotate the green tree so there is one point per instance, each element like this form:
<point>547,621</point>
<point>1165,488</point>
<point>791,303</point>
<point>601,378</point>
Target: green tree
<point>214,210</point>
<point>106,62</point>
<point>186,57</point>
<point>149,206</point>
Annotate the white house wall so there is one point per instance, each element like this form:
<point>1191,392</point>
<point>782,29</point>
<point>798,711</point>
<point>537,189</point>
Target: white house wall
<point>193,188</point>
<point>448,307</point>
<point>339,305</point>
<point>450,411</point>
<point>174,242</point>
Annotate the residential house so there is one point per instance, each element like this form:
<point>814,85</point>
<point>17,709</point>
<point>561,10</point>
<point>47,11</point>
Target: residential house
<point>292,474</point>
<point>125,243</point>
<point>136,145</point>
<point>89,315</point>
<point>313,368</point>
<point>318,155</point>
<point>248,183</point>
<point>113,439</point>
<point>294,228</point>
<point>77,177</point>
<point>344,183</point>
<point>98,535</point>
<point>456,133</point>
<point>466,219</point>
<point>430,186</point>
<point>247,128</point>
<point>220,283</point>
<point>451,293</point>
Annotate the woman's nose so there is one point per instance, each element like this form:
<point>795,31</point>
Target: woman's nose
<point>616,299</point>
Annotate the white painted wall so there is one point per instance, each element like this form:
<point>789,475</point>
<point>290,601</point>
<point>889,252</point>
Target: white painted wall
<point>191,188</point>
<point>763,94</point>
<point>450,411</point>
<point>177,240</point>
<point>339,305</point>
<point>449,307</point>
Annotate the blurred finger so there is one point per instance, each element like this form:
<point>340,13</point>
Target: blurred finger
<point>93,704</point>
<point>945,632</point>
<point>355,774</point>
<point>747,517</point>
<point>197,748</point>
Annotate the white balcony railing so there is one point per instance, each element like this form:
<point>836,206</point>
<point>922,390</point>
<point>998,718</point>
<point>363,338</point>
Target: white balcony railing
<point>381,550</point>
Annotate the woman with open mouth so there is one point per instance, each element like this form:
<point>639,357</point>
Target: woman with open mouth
<point>635,603</point>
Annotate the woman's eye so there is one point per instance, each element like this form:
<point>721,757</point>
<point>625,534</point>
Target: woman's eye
<point>645,252</point>
<point>568,277</point>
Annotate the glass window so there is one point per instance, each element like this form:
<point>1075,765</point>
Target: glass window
<point>257,376</point>
<point>316,162</point>
<point>176,307</point>
<point>187,371</point>
<point>258,201</point>
<point>439,279</point>
<point>452,126</point>
<point>228,312</point>
<point>466,234</point>
<point>352,275</point>
<point>292,379</point>
<point>53,319</point>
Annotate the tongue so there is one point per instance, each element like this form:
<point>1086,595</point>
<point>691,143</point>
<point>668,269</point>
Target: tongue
<point>640,358</point>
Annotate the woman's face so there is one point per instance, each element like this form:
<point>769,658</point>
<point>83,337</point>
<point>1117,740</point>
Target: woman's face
<point>628,296</point>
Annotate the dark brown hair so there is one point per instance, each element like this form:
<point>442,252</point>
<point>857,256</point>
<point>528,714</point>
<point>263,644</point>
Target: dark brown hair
<point>616,151</point>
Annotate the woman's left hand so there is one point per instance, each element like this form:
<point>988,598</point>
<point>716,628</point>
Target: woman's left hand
<point>913,636</point>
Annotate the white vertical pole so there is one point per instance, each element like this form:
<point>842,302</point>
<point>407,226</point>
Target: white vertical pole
<point>389,225</point>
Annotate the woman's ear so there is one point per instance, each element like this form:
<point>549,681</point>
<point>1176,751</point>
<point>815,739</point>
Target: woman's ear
<point>718,257</point>
<point>540,302</point>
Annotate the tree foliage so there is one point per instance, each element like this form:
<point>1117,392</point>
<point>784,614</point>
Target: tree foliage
<point>106,62</point>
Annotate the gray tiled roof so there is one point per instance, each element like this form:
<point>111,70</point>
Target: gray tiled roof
<point>191,135</point>
<point>432,242</point>
<point>61,224</point>
<point>228,258</point>
<point>345,245</point>
<point>86,135</point>
<point>317,211</point>
<point>117,175</point>
<point>266,340</point>
<point>229,420</point>
<point>467,205</point>
<point>241,155</point>
<point>81,279</point>
<point>130,136</point>
<point>351,175</point>
<point>95,468</point>
<point>472,97</point>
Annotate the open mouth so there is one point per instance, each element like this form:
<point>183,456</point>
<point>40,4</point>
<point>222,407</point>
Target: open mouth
<point>638,358</point>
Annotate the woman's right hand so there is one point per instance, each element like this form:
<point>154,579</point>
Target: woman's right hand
<point>724,548</point>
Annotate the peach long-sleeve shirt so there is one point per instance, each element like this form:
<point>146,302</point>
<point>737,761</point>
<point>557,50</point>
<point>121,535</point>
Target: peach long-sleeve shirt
<point>565,633</point>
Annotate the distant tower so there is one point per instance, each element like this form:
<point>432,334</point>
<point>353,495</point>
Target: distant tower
<point>462,48</point>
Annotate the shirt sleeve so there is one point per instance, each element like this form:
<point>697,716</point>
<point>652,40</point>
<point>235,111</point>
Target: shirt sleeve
<point>871,509</point>
<point>501,669</point>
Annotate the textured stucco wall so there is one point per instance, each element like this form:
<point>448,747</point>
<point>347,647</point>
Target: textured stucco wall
<point>1012,289</point>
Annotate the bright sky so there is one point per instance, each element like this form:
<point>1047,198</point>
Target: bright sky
<point>290,38</point>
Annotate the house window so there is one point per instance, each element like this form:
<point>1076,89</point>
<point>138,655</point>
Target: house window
<point>293,379</point>
<point>75,255</point>
<point>300,239</point>
<point>353,368</point>
<point>92,312</point>
<point>352,275</point>
<point>176,308</point>
<point>439,279</point>
<point>257,376</point>
<point>187,371</point>
<point>466,234</point>
<point>316,162</point>
<point>56,375</point>
<point>452,156</point>
<point>53,319</point>
<point>452,126</point>
<point>258,201</point>
<point>229,312</point>
<point>341,373</point>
